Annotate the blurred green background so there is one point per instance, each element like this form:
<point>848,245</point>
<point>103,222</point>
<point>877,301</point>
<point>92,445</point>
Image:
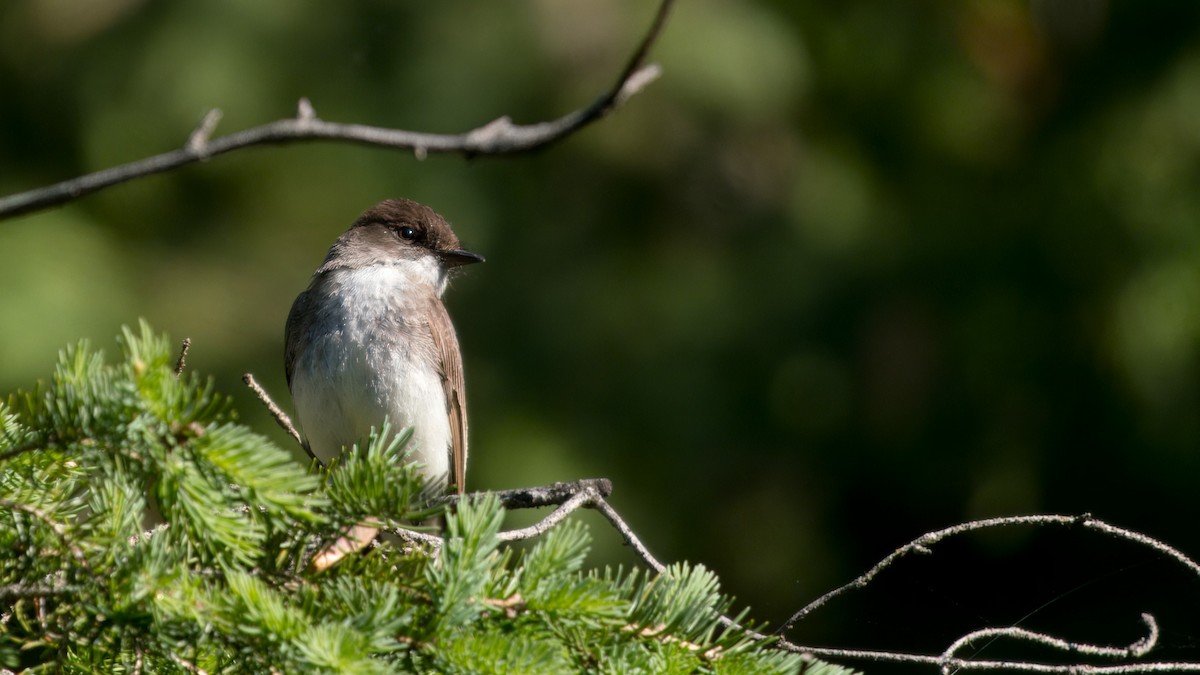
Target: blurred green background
<point>848,272</point>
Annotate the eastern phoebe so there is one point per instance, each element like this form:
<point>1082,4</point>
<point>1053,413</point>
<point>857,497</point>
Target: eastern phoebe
<point>370,338</point>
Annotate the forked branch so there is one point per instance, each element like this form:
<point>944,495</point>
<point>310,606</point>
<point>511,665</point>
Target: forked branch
<point>949,660</point>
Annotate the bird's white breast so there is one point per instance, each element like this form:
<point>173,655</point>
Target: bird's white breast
<point>371,356</point>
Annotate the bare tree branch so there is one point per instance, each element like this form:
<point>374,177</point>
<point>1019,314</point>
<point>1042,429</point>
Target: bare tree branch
<point>627,533</point>
<point>953,664</point>
<point>588,493</point>
<point>556,516</point>
<point>568,497</point>
<point>499,137</point>
<point>545,495</point>
<point>1133,651</point>
<point>922,544</point>
<point>947,661</point>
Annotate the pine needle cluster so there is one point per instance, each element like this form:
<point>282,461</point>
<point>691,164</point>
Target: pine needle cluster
<point>222,585</point>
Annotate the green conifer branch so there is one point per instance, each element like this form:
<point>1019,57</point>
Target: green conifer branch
<point>90,583</point>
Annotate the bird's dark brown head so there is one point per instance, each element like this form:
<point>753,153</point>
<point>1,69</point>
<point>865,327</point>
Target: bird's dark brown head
<point>398,229</point>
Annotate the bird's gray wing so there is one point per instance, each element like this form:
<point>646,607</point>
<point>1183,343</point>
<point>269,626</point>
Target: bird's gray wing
<point>445,343</point>
<point>295,333</point>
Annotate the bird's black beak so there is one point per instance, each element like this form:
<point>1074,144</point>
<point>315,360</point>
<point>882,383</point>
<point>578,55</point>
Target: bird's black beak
<point>459,257</point>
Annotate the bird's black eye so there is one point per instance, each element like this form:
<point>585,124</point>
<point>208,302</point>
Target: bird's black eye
<point>408,233</point>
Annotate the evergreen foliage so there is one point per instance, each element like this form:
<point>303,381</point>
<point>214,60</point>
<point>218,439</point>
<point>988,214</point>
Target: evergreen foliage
<point>223,585</point>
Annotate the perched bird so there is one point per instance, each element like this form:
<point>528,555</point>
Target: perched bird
<point>370,339</point>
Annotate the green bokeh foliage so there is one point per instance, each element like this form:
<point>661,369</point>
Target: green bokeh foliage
<point>846,273</point>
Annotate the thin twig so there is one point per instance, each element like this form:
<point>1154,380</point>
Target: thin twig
<point>568,497</point>
<point>1087,521</point>
<point>198,141</point>
<point>281,418</point>
<point>628,535</point>
<point>635,76</point>
<point>1133,651</point>
<point>499,137</point>
<point>417,537</point>
<point>925,541</point>
<point>556,516</point>
<point>1014,666</point>
<point>181,363</point>
<point>947,661</point>
<point>544,495</point>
